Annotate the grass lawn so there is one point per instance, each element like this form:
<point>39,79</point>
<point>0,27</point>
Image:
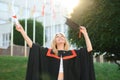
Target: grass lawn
<point>14,68</point>
<point>106,71</point>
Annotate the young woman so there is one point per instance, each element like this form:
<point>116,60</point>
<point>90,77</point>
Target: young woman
<point>58,62</point>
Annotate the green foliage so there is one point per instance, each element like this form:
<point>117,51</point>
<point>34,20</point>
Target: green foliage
<point>102,20</point>
<point>18,39</point>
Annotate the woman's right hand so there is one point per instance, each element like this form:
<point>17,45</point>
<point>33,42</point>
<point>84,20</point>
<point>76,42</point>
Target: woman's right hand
<point>19,27</point>
<point>25,36</point>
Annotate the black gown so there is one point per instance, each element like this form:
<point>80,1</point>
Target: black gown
<point>43,64</point>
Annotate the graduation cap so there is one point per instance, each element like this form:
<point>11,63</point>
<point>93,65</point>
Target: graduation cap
<point>73,25</point>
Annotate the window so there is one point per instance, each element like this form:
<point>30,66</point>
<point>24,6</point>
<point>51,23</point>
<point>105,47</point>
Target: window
<point>5,39</point>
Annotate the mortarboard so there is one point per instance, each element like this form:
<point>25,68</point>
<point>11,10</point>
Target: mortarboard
<point>73,25</point>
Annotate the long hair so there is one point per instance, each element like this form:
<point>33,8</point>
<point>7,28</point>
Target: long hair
<point>54,45</point>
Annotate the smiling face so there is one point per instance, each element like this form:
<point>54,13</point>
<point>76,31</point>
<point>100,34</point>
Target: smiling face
<point>60,39</point>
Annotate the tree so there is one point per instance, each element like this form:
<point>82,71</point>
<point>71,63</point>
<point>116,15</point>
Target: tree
<point>18,39</point>
<point>102,20</point>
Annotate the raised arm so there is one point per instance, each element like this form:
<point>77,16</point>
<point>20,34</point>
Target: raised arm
<point>25,36</point>
<point>87,39</point>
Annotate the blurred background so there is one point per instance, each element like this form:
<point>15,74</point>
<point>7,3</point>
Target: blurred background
<point>42,19</point>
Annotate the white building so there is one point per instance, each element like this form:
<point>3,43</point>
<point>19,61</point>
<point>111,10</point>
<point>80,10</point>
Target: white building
<point>4,35</point>
<point>53,16</point>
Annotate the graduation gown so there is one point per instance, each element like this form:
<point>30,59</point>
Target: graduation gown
<point>43,64</point>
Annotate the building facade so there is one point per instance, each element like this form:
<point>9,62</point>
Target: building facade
<point>49,12</point>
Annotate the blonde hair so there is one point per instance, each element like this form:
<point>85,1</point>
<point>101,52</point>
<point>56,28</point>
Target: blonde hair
<point>54,45</point>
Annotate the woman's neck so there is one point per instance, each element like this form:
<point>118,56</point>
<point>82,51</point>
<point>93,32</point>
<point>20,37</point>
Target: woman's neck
<point>60,47</point>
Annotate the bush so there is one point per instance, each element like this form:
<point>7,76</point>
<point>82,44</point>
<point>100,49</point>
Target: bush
<point>18,39</point>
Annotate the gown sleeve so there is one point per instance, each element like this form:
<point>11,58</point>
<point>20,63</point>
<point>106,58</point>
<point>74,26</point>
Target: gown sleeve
<point>33,65</point>
<point>86,64</point>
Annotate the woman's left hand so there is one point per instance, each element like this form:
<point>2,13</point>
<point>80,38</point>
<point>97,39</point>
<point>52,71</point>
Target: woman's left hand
<point>83,30</point>
<point>87,40</point>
